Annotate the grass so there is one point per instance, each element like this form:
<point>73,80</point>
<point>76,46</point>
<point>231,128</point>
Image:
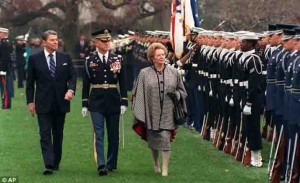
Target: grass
<point>192,159</point>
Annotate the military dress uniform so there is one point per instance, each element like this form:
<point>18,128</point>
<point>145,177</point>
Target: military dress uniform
<point>103,98</point>
<point>192,83</point>
<point>20,59</point>
<point>6,84</point>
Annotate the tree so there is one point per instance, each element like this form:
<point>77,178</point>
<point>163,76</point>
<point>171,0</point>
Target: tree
<point>116,14</point>
<point>252,15</point>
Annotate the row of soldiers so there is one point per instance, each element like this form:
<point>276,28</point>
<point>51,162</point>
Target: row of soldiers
<point>133,46</point>
<point>234,78</point>
<point>225,84</point>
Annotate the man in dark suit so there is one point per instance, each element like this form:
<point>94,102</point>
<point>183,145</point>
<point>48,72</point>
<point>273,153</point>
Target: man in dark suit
<point>82,47</point>
<point>103,70</point>
<point>51,84</point>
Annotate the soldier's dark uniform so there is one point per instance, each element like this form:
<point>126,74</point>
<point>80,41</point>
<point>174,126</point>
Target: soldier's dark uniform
<point>253,71</point>
<point>294,119</point>
<point>20,59</point>
<point>253,79</point>
<point>101,95</point>
<point>5,75</point>
<point>192,82</point>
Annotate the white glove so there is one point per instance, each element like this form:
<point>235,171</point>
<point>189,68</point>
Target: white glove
<point>84,112</point>
<point>210,93</point>
<point>179,63</point>
<point>199,88</point>
<point>123,109</point>
<point>26,37</point>
<point>2,73</point>
<point>231,103</point>
<point>247,110</point>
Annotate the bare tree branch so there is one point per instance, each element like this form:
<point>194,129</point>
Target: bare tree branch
<point>107,4</point>
<point>54,5</point>
<point>27,17</point>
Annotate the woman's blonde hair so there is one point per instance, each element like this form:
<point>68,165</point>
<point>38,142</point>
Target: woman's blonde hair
<point>151,50</point>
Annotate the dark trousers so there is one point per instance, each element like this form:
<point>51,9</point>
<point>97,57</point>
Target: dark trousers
<point>21,76</point>
<point>112,127</point>
<point>196,111</point>
<point>253,127</point>
<point>51,132</point>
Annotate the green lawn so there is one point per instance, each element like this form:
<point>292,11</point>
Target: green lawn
<point>192,159</point>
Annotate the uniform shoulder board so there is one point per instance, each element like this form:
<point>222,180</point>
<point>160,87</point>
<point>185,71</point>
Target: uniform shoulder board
<point>86,58</point>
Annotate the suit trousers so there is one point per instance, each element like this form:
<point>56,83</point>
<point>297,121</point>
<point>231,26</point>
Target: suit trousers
<point>112,126</point>
<point>51,126</point>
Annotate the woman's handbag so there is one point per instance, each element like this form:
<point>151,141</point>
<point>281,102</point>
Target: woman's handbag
<point>179,114</point>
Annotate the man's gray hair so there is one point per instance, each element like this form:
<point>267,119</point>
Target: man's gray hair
<point>46,34</point>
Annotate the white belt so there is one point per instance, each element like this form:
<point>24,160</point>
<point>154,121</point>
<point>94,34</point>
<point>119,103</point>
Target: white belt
<point>296,91</point>
<point>213,76</point>
<point>221,81</point>
<point>236,81</point>
<point>244,83</point>
<point>200,72</point>
<point>194,65</point>
<point>205,73</point>
<point>228,81</point>
<point>264,72</point>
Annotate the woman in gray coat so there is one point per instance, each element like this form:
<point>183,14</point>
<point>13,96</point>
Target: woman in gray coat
<point>155,89</point>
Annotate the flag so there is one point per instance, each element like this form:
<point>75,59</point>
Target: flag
<point>176,29</point>
<point>188,17</point>
<point>194,6</point>
<point>184,16</point>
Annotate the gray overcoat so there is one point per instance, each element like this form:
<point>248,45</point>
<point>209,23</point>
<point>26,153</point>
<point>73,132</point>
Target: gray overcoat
<point>146,99</point>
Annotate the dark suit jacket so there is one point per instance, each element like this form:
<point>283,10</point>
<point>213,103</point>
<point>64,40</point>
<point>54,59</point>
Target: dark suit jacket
<point>81,49</point>
<point>43,89</point>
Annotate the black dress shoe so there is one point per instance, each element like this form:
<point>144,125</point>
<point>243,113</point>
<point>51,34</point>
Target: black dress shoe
<point>48,171</point>
<point>102,172</point>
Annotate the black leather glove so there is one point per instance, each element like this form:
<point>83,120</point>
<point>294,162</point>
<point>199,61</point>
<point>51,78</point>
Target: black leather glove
<point>173,96</point>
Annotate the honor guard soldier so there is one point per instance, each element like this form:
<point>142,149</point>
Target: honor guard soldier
<point>103,72</point>
<point>251,104</point>
<point>294,119</point>
<point>6,84</point>
<point>20,58</point>
<point>274,50</point>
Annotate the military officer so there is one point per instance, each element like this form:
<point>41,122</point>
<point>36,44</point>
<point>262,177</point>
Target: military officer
<point>5,62</point>
<point>104,71</point>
